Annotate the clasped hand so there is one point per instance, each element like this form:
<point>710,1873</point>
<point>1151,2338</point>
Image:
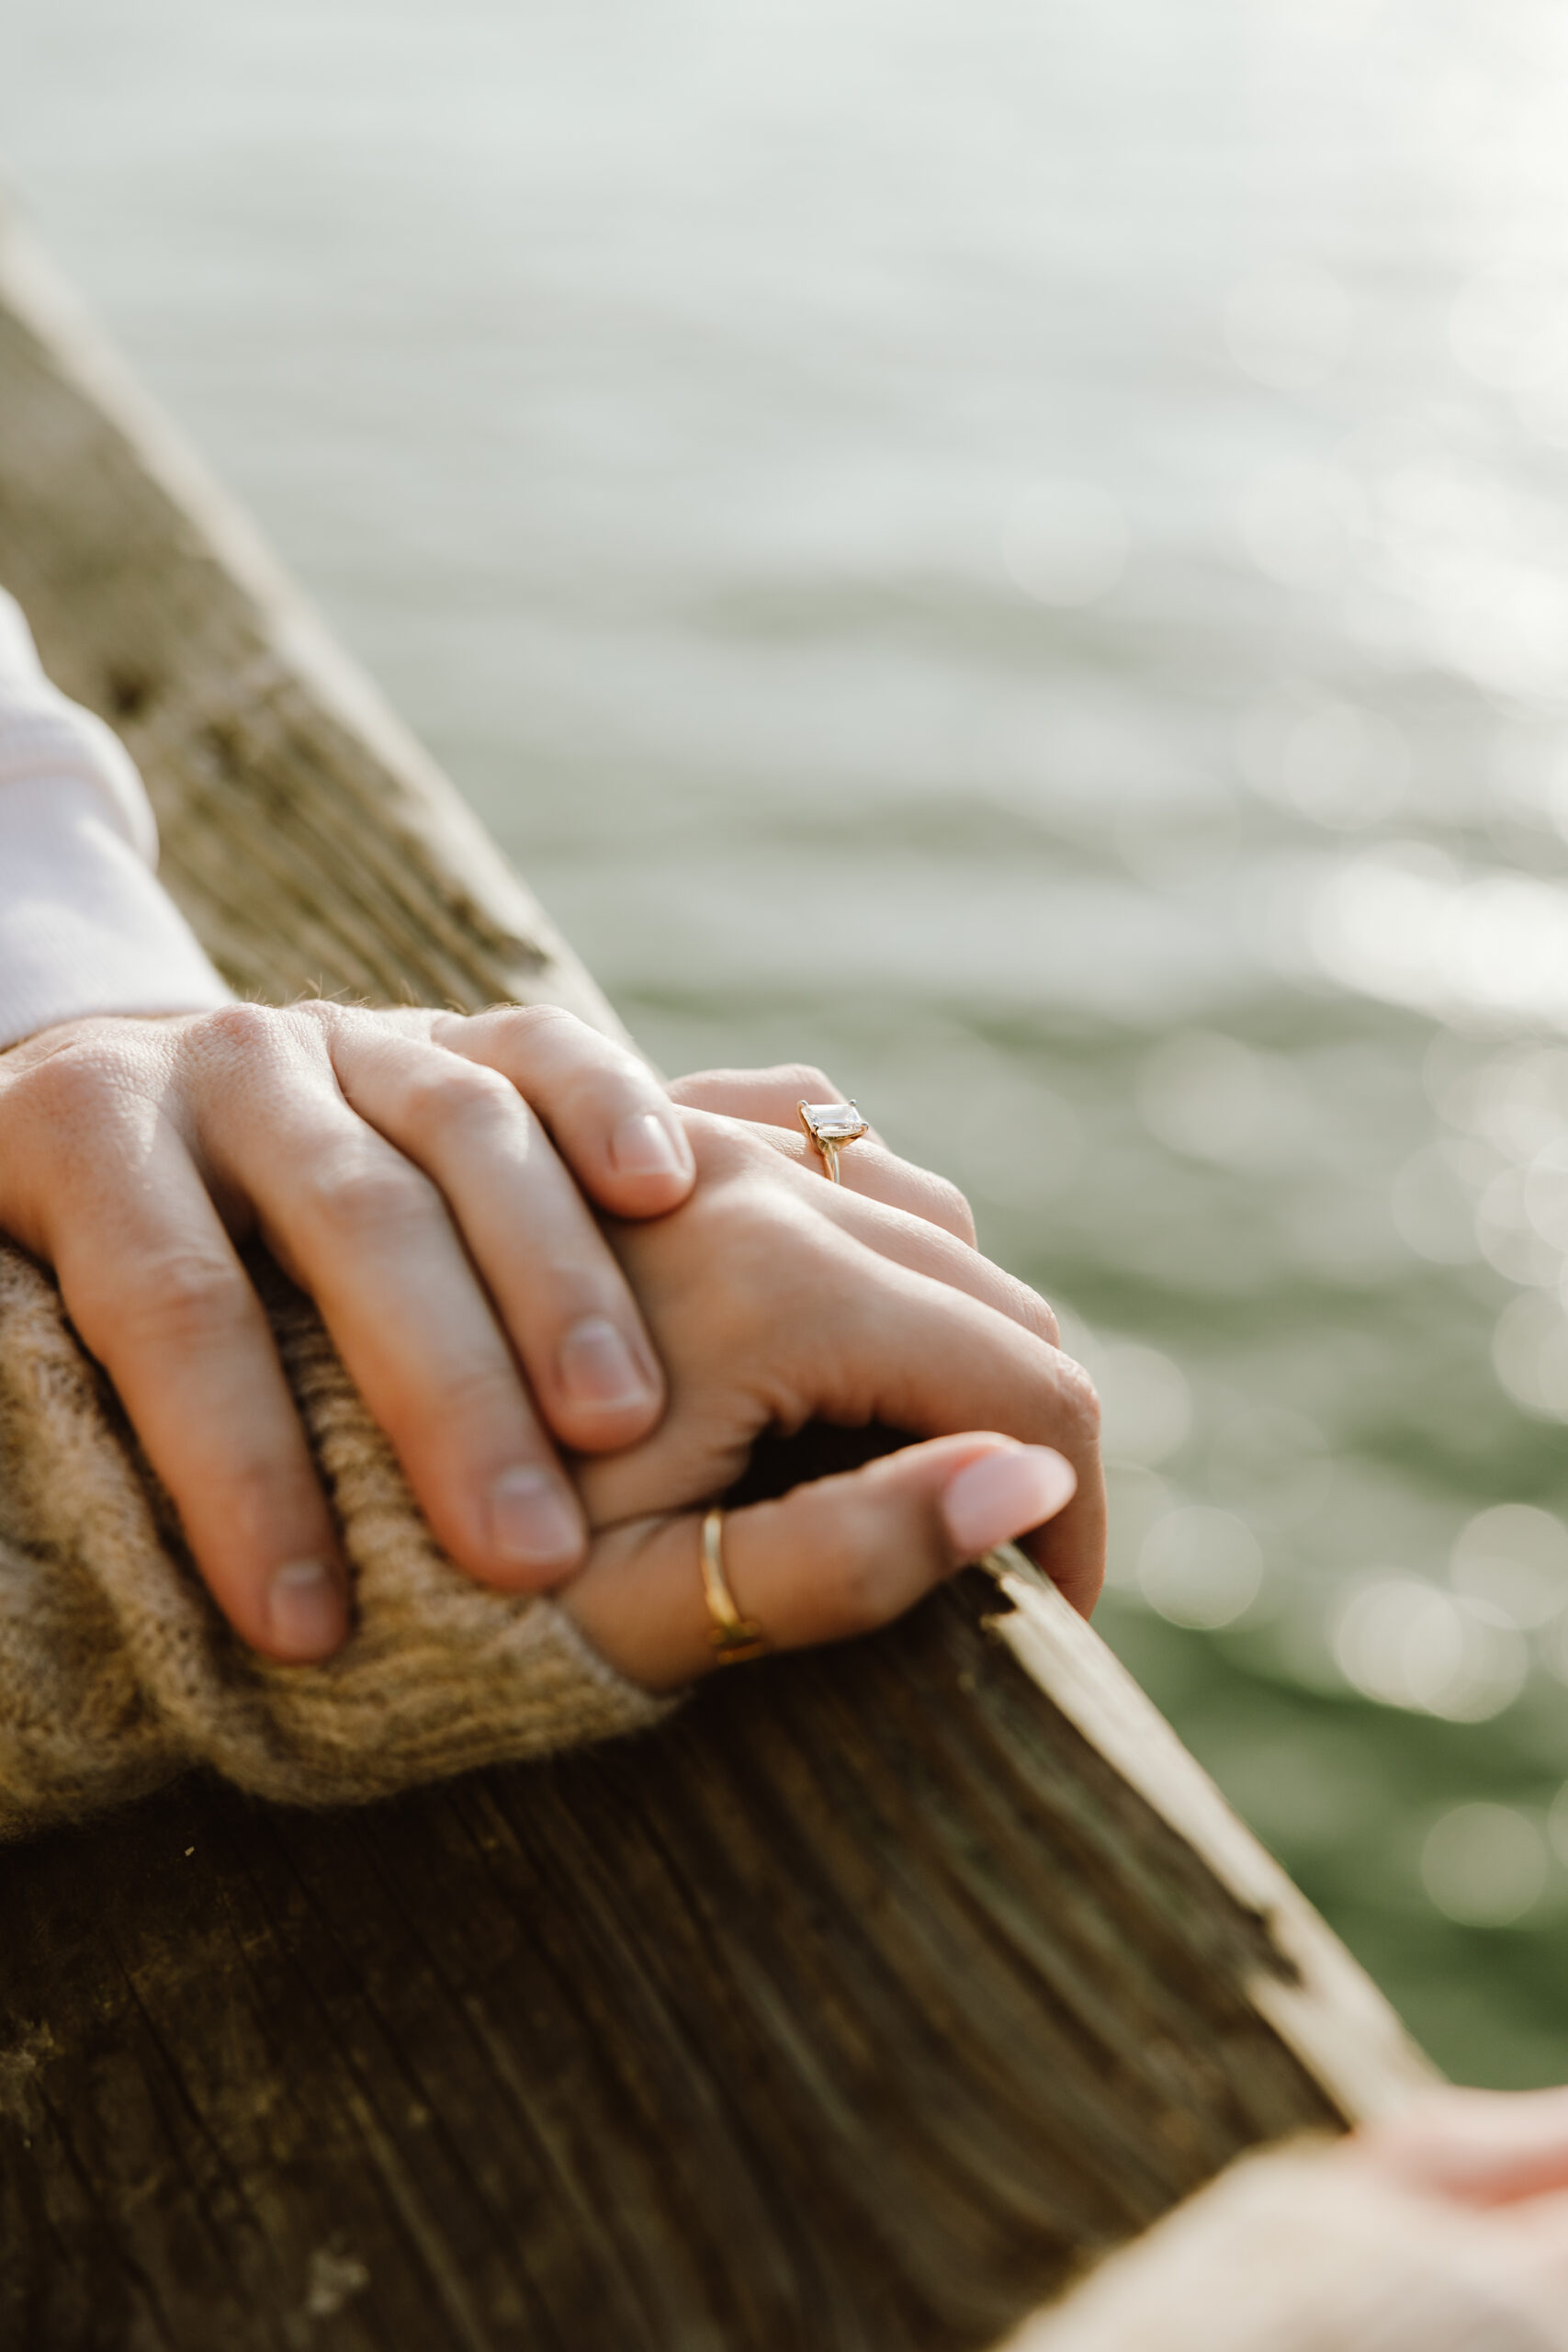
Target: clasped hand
<point>571,1298</point>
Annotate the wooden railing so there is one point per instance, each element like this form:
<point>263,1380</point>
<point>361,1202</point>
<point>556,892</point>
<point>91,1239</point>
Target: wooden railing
<point>852,2009</point>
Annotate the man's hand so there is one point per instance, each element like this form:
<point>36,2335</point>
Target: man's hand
<point>775,1298</point>
<point>419,1175</point>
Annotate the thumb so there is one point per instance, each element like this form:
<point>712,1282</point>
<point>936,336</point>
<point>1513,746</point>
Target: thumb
<point>840,1557</point>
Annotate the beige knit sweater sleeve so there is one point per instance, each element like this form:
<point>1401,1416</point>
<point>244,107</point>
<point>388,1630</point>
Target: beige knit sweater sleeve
<point>1303,2251</point>
<point>116,1672</point>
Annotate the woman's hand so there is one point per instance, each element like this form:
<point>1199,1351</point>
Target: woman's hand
<point>418,1174</point>
<point>775,1298</point>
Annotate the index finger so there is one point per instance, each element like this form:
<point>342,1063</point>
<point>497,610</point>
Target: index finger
<point>932,1360</point>
<point>610,1119</point>
<point>562,1298</point>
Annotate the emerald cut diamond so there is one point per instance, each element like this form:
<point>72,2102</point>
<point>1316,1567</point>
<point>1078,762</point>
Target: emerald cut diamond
<point>834,1122</point>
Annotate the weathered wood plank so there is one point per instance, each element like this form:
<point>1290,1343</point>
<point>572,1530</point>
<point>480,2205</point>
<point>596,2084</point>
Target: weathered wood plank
<point>309,839</point>
<point>851,2009</point>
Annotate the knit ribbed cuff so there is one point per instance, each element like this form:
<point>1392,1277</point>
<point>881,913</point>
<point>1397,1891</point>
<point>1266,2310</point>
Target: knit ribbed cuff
<point>85,925</point>
<point>117,1671</point>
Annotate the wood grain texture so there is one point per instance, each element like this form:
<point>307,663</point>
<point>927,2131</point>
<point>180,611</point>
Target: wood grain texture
<point>853,2008</point>
<point>312,842</point>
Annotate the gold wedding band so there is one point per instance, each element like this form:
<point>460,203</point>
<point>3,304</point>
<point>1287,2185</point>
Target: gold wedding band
<point>734,1637</point>
<point>831,1126</point>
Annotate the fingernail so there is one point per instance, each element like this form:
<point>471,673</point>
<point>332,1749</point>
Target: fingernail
<point>644,1144</point>
<point>597,1368</point>
<point>1003,1495</point>
<point>533,1520</point>
<point>305,1609</point>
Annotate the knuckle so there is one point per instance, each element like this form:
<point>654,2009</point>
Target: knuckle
<point>1050,1330</point>
<point>263,1492</point>
<point>951,1208</point>
<point>579,1070</point>
<point>243,1031</point>
<point>1035,1316</point>
<point>353,1193</point>
<point>70,1087</point>
<point>443,1090</point>
<point>530,1027</point>
<point>480,1403</point>
<point>243,1049</point>
<point>185,1298</point>
<point>1080,1403</point>
<point>324,1016</point>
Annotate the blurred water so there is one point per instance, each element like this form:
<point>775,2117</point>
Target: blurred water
<point>1021,548</point>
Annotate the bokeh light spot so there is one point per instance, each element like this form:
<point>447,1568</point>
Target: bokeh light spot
<point>1401,1641</point>
<point>1530,1348</point>
<point>1201,1567</point>
<point>1147,1404</point>
<point>1210,1097</point>
<point>1483,1865</point>
<point>1335,764</point>
<point>1515,1558</point>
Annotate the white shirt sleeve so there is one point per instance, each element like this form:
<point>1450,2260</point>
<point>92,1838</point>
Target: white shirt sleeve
<point>85,925</point>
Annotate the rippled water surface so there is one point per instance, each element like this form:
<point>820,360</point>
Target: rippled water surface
<point>1018,551</point>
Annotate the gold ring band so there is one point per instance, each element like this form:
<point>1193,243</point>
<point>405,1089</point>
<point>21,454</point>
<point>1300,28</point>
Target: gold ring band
<point>734,1637</point>
<point>831,1126</point>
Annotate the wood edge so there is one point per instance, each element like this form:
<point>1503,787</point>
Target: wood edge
<point>1320,2001</point>
<point>292,635</point>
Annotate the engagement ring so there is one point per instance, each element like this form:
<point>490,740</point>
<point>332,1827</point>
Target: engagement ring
<point>831,1126</point>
